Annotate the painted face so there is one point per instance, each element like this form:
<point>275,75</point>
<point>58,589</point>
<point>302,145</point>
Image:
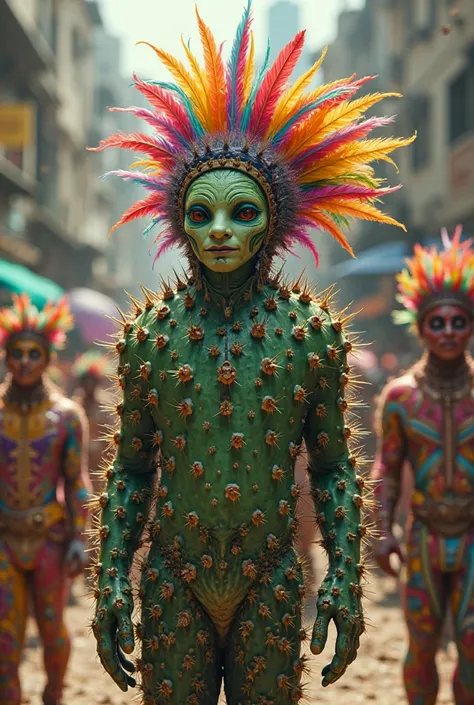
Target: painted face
<point>27,359</point>
<point>446,330</point>
<point>226,219</point>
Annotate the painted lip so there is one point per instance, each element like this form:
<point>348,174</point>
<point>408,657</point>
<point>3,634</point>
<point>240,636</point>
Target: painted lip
<point>224,248</point>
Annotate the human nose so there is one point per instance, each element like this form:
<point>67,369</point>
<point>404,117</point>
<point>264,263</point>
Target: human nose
<point>220,227</point>
<point>448,328</point>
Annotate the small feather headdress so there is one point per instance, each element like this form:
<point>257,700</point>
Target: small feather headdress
<point>92,363</point>
<point>308,149</point>
<point>52,323</point>
<point>435,276</point>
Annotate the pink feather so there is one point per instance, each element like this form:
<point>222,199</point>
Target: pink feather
<point>167,240</point>
<point>273,86</point>
<point>163,101</point>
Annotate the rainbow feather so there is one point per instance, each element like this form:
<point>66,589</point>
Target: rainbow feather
<point>52,323</point>
<point>320,135</point>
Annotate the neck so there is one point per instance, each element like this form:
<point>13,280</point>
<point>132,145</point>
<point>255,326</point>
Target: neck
<point>435,364</point>
<point>227,284</point>
<point>26,396</point>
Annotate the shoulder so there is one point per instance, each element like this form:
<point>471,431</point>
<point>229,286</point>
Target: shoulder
<point>70,410</point>
<point>398,391</point>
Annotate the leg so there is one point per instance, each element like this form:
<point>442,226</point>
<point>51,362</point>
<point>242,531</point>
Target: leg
<point>462,602</point>
<point>262,664</point>
<point>180,662</point>
<point>50,591</point>
<point>13,613</point>
<point>424,600</point>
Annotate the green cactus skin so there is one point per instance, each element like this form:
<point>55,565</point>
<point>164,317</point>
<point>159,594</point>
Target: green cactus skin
<point>227,398</point>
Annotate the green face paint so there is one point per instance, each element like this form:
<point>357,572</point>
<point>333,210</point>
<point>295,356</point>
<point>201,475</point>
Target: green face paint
<point>226,219</point>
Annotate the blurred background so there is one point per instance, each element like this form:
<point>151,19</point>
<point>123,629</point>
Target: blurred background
<point>64,62</point>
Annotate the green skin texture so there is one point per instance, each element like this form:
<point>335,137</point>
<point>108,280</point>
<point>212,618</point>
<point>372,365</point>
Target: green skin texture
<point>222,587</point>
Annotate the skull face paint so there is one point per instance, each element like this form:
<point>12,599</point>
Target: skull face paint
<point>446,331</point>
<point>226,219</point>
<point>27,359</point>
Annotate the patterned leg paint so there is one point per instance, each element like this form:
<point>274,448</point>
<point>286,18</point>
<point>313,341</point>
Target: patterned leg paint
<point>424,605</point>
<point>13,612</point>
<point>262,663</point>
<point>462,600</point>
<point>50,589</point>
<point>180,663</point>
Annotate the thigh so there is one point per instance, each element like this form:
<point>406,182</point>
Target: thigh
<point>180,662</point>
<point>13,606</point>
<point>50,590</point>
<point>263,663</point>
<point>424,589</point>
<point>462,604</point>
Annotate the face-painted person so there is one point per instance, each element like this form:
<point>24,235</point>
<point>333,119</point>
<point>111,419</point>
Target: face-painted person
<point>426,417</point>
<point>41,542</point>
<point>224,375</point>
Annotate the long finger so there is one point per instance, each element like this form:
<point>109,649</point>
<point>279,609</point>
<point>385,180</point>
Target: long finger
<point>125,634</point>
<point>333,671</point>
<point>107,652</point>
<point>126,665</point>
<point>320,631</point>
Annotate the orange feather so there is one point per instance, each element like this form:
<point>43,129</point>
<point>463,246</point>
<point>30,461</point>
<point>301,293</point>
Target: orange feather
<point>215,76</point>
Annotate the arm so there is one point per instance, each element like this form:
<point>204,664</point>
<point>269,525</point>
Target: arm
<point>76,480</point>
<point>125,505</point>
<point>338,497</point>
<point>387,471</point>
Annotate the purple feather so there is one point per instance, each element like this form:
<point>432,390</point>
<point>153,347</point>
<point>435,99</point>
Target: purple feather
<point>337,139</point>
<point>346,192</point>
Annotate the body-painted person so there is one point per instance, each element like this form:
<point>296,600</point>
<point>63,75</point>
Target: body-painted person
<point>427,418</point>
<point>41,542</point>
<point>224,375</point>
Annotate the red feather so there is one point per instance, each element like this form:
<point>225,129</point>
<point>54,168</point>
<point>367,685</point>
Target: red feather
<point>138,142</point>
<point>273,86</point>
<point>147,206</point>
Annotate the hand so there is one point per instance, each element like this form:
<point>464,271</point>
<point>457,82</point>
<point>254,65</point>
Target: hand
<point>383,549</point>
<point>341,602</point>
<point>113,629</point>
<point>75,558</point>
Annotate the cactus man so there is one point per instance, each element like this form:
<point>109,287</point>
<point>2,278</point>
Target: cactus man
<point>225,374</point>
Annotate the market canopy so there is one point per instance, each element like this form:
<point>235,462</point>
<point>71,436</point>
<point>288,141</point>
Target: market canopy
<point>386,258</point>
<point>14,278</point>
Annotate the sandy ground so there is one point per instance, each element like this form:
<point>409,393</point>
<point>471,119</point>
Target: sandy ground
<point>375,677</point>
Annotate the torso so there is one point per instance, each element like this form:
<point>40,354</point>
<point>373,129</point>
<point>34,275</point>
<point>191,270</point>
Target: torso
<point>31,447</point>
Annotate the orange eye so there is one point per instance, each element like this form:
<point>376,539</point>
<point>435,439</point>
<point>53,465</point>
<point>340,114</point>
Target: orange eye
<point>197,215</point>
<point>247,213</point>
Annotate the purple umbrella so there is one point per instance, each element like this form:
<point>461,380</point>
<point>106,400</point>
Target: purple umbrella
<point>90,309</point>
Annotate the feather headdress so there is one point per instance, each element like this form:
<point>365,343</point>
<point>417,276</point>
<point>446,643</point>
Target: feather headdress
<point>52,323</point>
<point>436,276</point>
<point>91,363</point>
<point>308,149</point>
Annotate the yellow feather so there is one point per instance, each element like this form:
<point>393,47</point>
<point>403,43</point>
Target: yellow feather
<point>353,155</point>
<point>215,76</point>
<point>358,209</point>
<point>199,75</point>
<point>249,69</point>
<point>321,123</point>
<point>146,164</point>
<point>287,102</point>
<point>183,78</point>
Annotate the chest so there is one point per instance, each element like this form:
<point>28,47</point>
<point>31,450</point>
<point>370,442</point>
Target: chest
<point>441,423</point>
<point>35,438</point>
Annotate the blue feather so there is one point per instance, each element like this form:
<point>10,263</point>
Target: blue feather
<point>248,108</point>
<point>233,64</point>
<point>150,227</point>
<point>306,109</point>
